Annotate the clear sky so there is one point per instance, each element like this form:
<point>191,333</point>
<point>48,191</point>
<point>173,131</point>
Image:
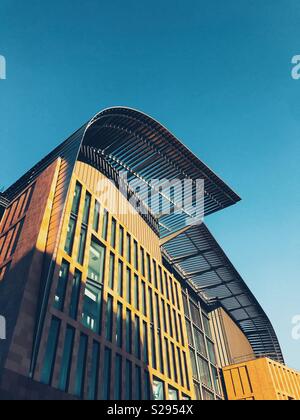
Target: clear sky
<point>217,73</point>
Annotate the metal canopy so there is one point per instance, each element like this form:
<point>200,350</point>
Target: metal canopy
<point>199,259</point>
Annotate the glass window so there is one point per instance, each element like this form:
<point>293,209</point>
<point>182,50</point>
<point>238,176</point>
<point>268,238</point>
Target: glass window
<point>81,365</point>
<point>136,292</point>
<point>107,374</point>
<point>204,372</point>
<point>161,285</point>
<point>109,318</point>
<point>153,347</point>
<point>121,241</point>
<point>86,210</point>
<point>187,380</point>
<point>143,262</point>
<point>150,304</point>
<point>172,286</point>
<point>215,379</point>
<point>173,394</point>
<point>128,285</point>
<point>111,279</point>
<point>75,295</point>
<point>155,274</point>
<point>206,326</point>
<point>176,325</point>
<point>128,381</point>
<point>164,316</point>
<point>128,248</point>
<point>197,391</point>
<point>174,362</point>
<point>167,357</point>
<point>137,338</point>
<point>200,343</point>
<point>76,199</point>
<point>211,351</point>
<point>207,396</point>
<point>60,294</point>
<point>128,332</point>
<point>136,255</point>
<point>118,378</point>
<point>96,220</point>
<point>189,333</point>
<point>96,261</point>
<point>149,274</point>
<point>194,364</point>
<point>138,383</point>
<point>65,367</point>
<point>180,366</point>
<point>93,379</point>
<point>144,302</point>
<point>170,320</point>
<point>51,349</point>
<point>176,285</point>
<point>92,305</point>
<point>105,224</point>
<point>166,286</point>
<point>185,305</point>
<point>147,389</point>
<point>120,279</point>
<point>160,352</point>
<point>196,315</point>
<point>81,247</point>
<point>158,390</point>
<point>113,233</point>
<point>119,328</point>
<point>157,312</point>
<point>145,343</point>
<point>70,236</point>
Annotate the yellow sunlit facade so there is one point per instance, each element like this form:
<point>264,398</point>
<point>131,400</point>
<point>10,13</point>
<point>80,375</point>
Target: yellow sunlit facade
<point>261,379</point>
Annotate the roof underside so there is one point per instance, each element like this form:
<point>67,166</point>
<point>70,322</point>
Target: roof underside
<point>198,257</point>
<point>131,141</point>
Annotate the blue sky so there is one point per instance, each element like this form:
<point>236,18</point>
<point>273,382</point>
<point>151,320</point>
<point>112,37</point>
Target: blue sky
<point>216,73</point>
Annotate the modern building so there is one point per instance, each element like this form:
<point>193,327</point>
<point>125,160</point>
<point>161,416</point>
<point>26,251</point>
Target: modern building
<point>261,379</point>
<point>106,294</point>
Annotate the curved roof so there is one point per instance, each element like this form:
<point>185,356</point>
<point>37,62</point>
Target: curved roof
<point>126,139</point>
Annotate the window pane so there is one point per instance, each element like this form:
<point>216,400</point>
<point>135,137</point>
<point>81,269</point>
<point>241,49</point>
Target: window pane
<point>50,355</point>
<point>153,347</point>
<point>145,343</point>
<point>119,327</point>
<point>81,365</point>
<point>216,379</point>
<point>105,225</point>
<point>128,248</point>
<point>107,374</point>
<point>149,274</point>
<point>144,303</point>
<point>128,285</point>
<point>136,255</point>
<point>173,394</point>
<point>185,305</point>
<point>128,387</point>
<point>174,363</point>
<point>128,332</point>
<point>211,351</point>
<point>96,216</point>
<point>118,378</point>
<point>167,356</point>
<point>113,233</point>
<point>76,199</point>
<point>109,315</point>
<point>138,383</point>
<point>70,236</point>
<point>120,279</point>
<point>194,364</point>
<point>147,389</point>
<point>66,360</point>
<point>81,247</point>
<point>60,294</point>
<point>206,326</point>
<point>158,390</point>
<point>93,384</point>
<point>75,296</point>
<point>196,315</point>
<point>111,279</point>
<point>121,241</point>
<point>136,292</point>
<point>143,262</point>
<point>92,307</point>
<point>137,338</point>
<point>204,372</point>
<point>207,396</point>
<point>86,210</point>
<point>150,304</point>
<point>200,343</point>
<point>96,262</point>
